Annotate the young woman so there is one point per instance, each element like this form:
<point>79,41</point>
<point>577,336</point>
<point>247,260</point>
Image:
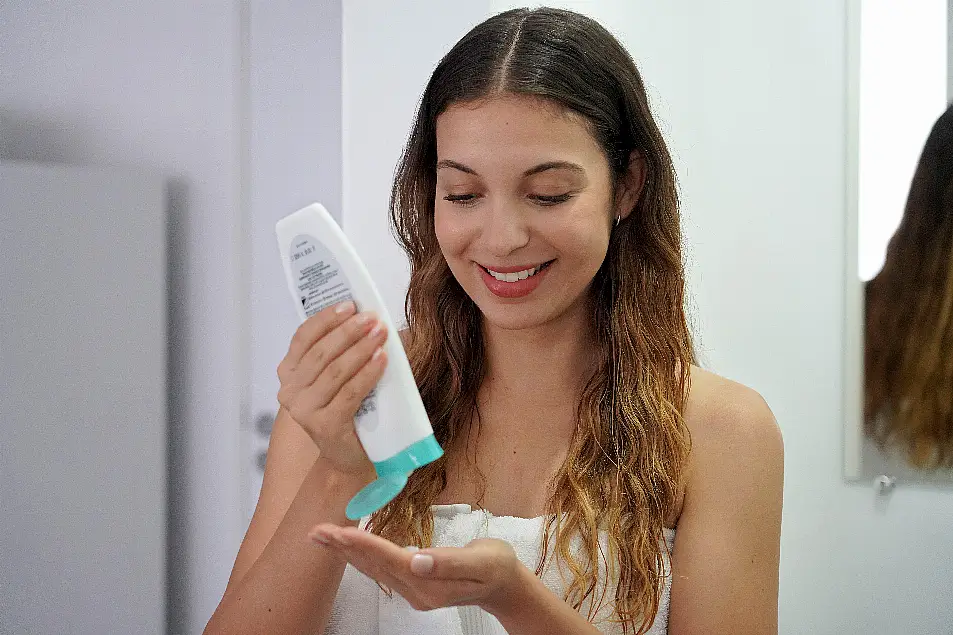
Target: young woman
<point>610,485</point>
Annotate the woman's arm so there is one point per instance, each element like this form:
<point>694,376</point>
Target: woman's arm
<point>727,546</point>
<point>280,583</point>
<point>291,455</point>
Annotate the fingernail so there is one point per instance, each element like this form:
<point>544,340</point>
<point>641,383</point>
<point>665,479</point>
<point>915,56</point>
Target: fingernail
<point>421,563</point>
<point>345,307</point>
<point>377,330</point>
<point>377,354</point>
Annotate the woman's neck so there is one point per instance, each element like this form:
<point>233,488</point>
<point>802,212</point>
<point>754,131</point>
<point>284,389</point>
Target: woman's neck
<point>539,369</point>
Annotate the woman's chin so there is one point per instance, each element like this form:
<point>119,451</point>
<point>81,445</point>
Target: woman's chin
<point>515,317</point>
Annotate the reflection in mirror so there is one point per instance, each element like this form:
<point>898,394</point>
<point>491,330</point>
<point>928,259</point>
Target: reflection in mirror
<point>908,337</point>
<point>901,404</point>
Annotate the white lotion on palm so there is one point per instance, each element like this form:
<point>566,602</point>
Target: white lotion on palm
<point>323,269</point>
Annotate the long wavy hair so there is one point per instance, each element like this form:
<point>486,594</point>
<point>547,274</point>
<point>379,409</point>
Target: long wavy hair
<point>625,466</point>
<point>909,318</point>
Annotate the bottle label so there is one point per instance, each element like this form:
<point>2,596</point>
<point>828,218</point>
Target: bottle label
<point>321,283</point>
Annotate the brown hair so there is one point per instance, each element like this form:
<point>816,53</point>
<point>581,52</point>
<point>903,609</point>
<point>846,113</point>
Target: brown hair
<point>625,466</point>
<point>908,363</point>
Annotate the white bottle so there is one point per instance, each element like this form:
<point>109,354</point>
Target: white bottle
<point>323,269</point>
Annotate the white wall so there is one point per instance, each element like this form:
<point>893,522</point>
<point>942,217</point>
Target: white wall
<point>752,97</point>
<point>387,56</point>
<point>294,158</point>
<point>156,85</point>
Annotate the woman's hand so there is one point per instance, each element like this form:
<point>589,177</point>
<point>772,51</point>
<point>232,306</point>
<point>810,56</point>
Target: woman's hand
<point>334,360</point>
<point>478,574</point>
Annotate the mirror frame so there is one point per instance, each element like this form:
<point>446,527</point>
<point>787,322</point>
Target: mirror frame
<point>853,359</point>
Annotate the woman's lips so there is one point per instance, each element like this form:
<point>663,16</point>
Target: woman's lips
<point>517,289</point>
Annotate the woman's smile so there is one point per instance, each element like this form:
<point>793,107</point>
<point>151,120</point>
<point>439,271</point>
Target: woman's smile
<point>513,282</point>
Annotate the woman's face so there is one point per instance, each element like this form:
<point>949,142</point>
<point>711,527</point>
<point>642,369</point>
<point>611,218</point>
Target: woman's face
<point>523,207</point>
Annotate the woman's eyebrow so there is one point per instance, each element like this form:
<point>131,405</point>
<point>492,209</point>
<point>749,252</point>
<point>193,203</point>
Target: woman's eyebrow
<point>448,163</point>
<point>542,167</point>
<point>555,165</point>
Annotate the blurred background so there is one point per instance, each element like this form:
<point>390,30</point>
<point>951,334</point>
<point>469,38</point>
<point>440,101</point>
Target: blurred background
<point>147,149</point>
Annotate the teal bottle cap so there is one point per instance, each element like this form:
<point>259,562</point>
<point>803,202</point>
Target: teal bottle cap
<point>375,495</point>
<point>392,476</point>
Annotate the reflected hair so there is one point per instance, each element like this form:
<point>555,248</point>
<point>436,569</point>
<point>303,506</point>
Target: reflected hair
<point>626,462</point>
<point>908,365</point>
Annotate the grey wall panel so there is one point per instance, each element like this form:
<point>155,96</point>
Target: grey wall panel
<point>83,406</point>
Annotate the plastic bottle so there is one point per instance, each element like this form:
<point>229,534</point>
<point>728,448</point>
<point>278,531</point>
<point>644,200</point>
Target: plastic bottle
<point>322,269</point>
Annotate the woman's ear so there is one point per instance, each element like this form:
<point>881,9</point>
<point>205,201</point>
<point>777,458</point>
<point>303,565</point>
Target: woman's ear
<point>631,186</point>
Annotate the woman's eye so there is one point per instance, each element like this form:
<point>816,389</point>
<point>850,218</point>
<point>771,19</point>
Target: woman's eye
<point>461,199</point>
<point>551,200</point>
<point>466,200</point>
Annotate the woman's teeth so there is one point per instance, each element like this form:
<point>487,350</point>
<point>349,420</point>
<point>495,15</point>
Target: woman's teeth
<point>516,276</point>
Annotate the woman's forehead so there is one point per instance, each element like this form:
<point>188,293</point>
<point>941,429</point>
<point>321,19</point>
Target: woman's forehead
<point>513,130</point>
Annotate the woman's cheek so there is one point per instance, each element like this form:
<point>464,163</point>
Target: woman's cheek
<point>452,234</point>
<point>440,228</point>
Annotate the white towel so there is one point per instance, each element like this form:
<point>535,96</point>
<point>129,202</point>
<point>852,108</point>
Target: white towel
<point>354,611</point>
<point>397,617</point>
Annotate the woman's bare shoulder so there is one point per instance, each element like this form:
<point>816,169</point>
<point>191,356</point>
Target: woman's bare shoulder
<point>726,555</point>
<point>733,431</point>
<point>720,410</point>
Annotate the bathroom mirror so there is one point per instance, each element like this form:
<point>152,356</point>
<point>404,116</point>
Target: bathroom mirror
<point>898,403</point>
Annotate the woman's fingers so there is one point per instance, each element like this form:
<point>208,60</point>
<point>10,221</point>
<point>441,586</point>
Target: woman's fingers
<point>313,381</point>
<point>401,570</point>
<point>372,555</point>
<point>478,561</point>
<point>474,563</point>
<point>309,349</point>
<point>331,353</point>
<point>324,351</point>
<point>360,540</point>
<point>335,343</point>
<point>352,392</point>
<point>316,327</point>
<point>354,355</point>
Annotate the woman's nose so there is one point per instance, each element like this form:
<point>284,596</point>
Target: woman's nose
<point>505,229</point>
